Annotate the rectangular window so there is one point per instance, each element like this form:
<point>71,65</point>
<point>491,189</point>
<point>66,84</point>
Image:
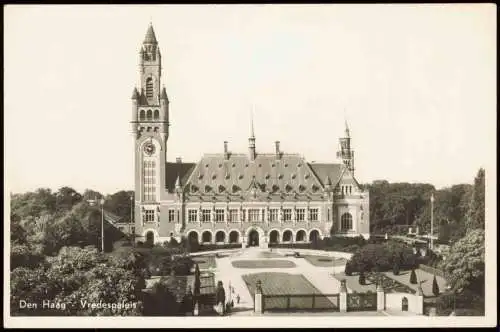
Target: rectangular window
<point>149,180</point>
<point>171,215</point>
<point>313,214</point>
<point>233,215</point>
<point>253,215</point>
<point>133,230</point>
<point>301,214</point>
<point>273,215</point>
<point>287,214</point>
<point>149,215</point>
<point>192,215</point>
<point>219,215</point>
<point>206,215</point>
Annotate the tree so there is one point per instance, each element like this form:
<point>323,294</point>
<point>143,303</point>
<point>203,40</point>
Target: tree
<point>395,269</point>
<point>197,282</point>
<point>435,287</point>
<point>362,278</point>
<point>120,204</point>
<point>66,198</point>
<point>475,215</point>
<point>413,277</point>
<point>464,266</point>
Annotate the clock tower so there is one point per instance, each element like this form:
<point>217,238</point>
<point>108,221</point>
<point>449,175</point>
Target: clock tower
<point>149,123</point>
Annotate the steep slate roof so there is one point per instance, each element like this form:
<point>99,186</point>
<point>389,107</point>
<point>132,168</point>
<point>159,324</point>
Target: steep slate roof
<point>265,177</point>
<point>150,36</point>
<point>174,170</point>
<point>332,171</point>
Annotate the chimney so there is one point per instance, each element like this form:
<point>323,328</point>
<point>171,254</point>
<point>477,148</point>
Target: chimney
<point>226,152</point>
<point>278,152</point>
<point>178,160</point>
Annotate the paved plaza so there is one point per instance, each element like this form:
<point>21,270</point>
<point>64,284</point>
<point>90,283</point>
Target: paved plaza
<point>320,277</point>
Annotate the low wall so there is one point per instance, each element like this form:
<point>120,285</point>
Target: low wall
<point>394,302</point>
<point>337,254</point>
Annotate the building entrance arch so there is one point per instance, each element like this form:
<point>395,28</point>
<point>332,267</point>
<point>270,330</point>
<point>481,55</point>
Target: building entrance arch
<point>253,238</point>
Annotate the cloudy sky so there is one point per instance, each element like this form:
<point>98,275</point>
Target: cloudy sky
<point>417,85</point>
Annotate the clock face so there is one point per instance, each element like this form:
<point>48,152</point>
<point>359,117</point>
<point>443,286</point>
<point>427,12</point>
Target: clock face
<point>149,148</point>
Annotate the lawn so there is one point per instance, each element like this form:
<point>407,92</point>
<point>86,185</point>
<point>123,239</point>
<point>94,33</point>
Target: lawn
<point>425,277</point>
<point>263,264</point>
<point>205,262</point>
<point>323,261</point>
<point>287,290</point>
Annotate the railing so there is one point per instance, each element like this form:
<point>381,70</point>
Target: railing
<point>361,301</point>
<point>300,302</point>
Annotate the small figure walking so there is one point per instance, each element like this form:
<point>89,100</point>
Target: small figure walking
<point>238,298</point>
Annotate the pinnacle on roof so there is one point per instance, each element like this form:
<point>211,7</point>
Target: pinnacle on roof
<point>346,129</point>
<point>328,182</point>
<point>178,182</point>
<point>164,93</point>
<point>252,135</point>
<point>135,94</point>
<point>150,36</point>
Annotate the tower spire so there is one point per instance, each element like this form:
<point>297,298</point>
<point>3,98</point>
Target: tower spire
<point>251,139</point>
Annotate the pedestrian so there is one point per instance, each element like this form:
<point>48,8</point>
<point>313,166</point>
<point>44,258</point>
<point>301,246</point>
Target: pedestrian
<point>238,298</point>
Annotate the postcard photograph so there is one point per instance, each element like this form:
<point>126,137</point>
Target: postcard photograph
<point>250,165</point>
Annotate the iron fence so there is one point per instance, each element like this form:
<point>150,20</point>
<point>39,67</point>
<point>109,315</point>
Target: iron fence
<point>300,302</point>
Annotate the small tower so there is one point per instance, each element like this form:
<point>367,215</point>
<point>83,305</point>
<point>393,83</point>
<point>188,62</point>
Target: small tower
<point>251,140</point>
<point>345,153</point>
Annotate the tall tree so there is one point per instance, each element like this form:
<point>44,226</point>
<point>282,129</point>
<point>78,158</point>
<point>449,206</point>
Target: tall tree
<point>475,215</point>
<point>464,266</point>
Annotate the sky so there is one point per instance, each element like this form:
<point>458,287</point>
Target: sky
<point>416,84</point>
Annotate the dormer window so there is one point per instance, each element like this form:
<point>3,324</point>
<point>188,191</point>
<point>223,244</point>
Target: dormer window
<point>240,177</point>
<point>260,165</point>
<point>286,165</point>
<point>228,176</point>
<point>275,188</point>
<point>233,165</point>
<point>235,188</point>
<point>302,188</point>
<point>246,165</point>
<point>306,176</point>
<point>280,176</point>
<point>207,189</point>
<point>214,177</point>
<point>293,176</point>
<point>288,188</point>
<point>220,165</point>
<point>299,165</point>
<point>221,189</point>
<point>193,188</point>
<point>206,165</point>
<point>267,176</point>
<point>315,188</point>
<point>200,176</point>
<point>273,165</point>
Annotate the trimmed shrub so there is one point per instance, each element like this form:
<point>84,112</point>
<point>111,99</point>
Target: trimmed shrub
<point>413,277</point>
<point>362,279</point>
<point>395,269</point>
<point>348,269</point>
<point>435,286</point>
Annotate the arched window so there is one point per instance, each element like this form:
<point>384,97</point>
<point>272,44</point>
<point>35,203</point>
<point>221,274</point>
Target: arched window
<point>142,115</point>
<point>346,222</point>
<point>156,114</point>
<point>404,304</point>
<point>149,87</point>
<point>149,115</point>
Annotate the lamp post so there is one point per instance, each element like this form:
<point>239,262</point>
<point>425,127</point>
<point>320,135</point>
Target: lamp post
<point>131,217</point>
<point>102,224</point>
<point>432,221</point>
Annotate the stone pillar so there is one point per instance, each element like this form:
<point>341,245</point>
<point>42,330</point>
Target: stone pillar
<point>257,304</point>
<point>343,296</point>
<point>380,298</point>
<point>419,308</point>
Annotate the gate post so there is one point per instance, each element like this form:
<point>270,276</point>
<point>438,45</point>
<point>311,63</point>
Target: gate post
<point>380,297</point>
<point>257,302</point>
<point>343,296</point>
<point>419,309</point>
